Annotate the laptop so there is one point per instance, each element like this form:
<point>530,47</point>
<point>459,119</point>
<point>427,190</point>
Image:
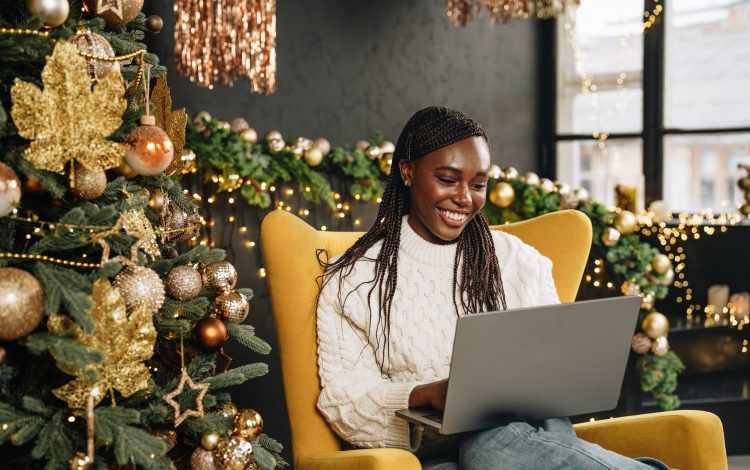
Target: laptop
<point>534,363</point>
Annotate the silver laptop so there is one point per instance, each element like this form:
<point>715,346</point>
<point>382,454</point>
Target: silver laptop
<point>533,364</point>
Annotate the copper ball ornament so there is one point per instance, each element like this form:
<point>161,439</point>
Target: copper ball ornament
<point>625,222</point>
<point>640,343</point>
<point>234,453</point>
<point>140,287</point>
<point>210,440</point>
<point>209,334</point>
<point>88,183</point>
<point>154,23</point>
<point>52,12</point>
<point>219,277</point>
<point>249,135</point>
<point>248,424</point>
<point>655,325</point>
<point>150,151</point>
<point>660,346</point>
<point>184,282</point>
<point>21,303</point>
<point>96,45</point>
<point>661,263</point>
<point>3,355</point>
<point>232,307</point>
<point>610,236</point>
<point>502,195</point>
<point>202,459</point>
<point>10,189</point>
<point>314,156</point>
<point>114,17</point>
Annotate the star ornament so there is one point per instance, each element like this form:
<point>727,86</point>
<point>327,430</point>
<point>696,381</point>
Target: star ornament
<point>179,417</point>
<point>115,6</point>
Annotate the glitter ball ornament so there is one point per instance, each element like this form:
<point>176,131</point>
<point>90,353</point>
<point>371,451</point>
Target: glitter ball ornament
<point>547,185</point>
<point>232,307</point>
<point>502,195</point>
<point>248,424</point>
<point>275,146</point>
<point>238,125</point>
<point>640,343</point>
<point>88,183</point>
<point>173,222</point>
<point>610,236</point>
<point>655,325</point>
<point>21,303</point>
<point>10,189</point>
<point>149,149</point>
<point>234,453</point>
<point>202,459</point>
<point>630,288</point>
<point>210,440</point>
<point>660,346</point>
<point>647,301</point>
<point>96,45</point>
<point>209,334</point>
<point>115,13</point>
<point>140,287</point>
<point>53,12</point>
<point>219,277</point>
<point>184,282</point>
<point>273,135</point>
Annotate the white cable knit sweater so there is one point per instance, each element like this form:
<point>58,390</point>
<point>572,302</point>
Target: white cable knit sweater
<point>356,399</point>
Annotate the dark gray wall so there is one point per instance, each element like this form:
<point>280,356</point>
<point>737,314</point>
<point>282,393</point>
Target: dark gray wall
<point>346,68</point>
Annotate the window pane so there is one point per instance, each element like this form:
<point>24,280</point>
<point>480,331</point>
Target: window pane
<point>600,166</point>
<point>700,171</point>
<point>599,65</point>
<point>707,64</point>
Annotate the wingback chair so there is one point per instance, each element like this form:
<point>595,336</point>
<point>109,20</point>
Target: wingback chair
<point>688,440</point>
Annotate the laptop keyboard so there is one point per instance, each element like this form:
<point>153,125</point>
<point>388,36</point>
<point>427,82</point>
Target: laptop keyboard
<point>437,417</point>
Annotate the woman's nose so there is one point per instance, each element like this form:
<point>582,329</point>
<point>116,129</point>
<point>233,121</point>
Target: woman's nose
<point>463,195</point>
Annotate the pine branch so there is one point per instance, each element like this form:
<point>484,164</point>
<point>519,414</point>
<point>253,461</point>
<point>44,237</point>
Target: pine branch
<point>238,375</point>
<point>171,326</point>
<point>264,458</point>
<point>55,442</point>
<point>67,351</point>
<point>247,292</point>
<point>245,335</point>
<point>269,443</point>
<point>36,406</point>
<point>211,422</point>
<point>134,445</point>
<point>201,254</point>
<point>200,366</point>
<point>18,428</point>
<point>194,309</point>
<point>66,287</point>
<point>171,187</point>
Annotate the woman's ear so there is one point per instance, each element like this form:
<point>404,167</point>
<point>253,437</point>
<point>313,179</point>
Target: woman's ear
<point>407,171</point>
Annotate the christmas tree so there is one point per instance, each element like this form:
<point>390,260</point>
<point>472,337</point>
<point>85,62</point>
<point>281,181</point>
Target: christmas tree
<point>111,326</point>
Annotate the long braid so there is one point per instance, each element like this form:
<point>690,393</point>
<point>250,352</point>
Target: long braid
<point>478,285</point>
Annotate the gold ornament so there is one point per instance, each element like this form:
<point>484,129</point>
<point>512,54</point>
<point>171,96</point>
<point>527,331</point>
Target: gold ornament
<point>387,147</point>
<point>313,156</point>
<point>150,150</point>
<point>625,222</point>
<point>668,278</point>
<point>95,48</point>
<point>647,301</point>
<point>209,334</point>
<point>179,416</point>
<point>323,144</point>
<point>10,189</point>
<point>200,119</point>
<point>275,146</point>
<point>502,195</point>
<point>116,13</point>
<point>568,200</point>
<point>219,277</point>
<point>21,303</point>
<point>234,453</point>
<point>373,152</point>
<point>238,125</point>
<point>67,120</point>
<point>87,184</point>
<point>141,288</point>
<point>661,263</point>
<point>248,424</point>
<point>581,194</point>
<point>630,288</point>
<point>547,185</point>
<point>561,188</point>
<point>229,409</point>
<point>640,343</point>
<point>660,346</point>
<point>510,173</point>
<point>232,307</point>
<point>177,224</point>
<point>188,162</point>
<point>249,136</point>
<point>610,236</point>
<point>224,125</point>
<point>80,461</point>
<point>385,164</point>
<point>136,224</point>
<point>173,122</point>
<point>495,172</point>
<point>531,178</point>
<point>125,341</point>
<point>203,459</point>
<point>655,325</point>
<point>3,355</point>
<point>210,440</point>
<point>362,145</point>
<point>273,135</point>
<point>53,12</point>
<point>184,282</point>
<point>154,23</point>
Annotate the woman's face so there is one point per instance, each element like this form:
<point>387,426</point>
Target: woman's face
<point>448,188</point>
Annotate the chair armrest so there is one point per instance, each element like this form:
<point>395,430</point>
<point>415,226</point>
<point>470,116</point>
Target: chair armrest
<point>687,440</point>
<point>360,459</point>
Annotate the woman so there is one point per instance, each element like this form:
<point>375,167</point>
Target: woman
<point>388,307</point>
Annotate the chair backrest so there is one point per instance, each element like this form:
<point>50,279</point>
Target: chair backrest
<point>290,246</point>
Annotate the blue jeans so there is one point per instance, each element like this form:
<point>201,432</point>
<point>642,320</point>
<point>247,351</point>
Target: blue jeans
<point>551,444</point>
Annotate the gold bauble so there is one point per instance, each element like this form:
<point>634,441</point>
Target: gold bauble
<point>21,303</point>
<point>210,440</point>
<point>660,346</point>
<point>139,287</point>
<point>158,201</point>
<point>154,23</point>
<point>581,194</point>
<point>668,278</point>
<point>53,12</point>
<point>323,144</point>
<point>745,209</point>
<point>202,459</point>
<point>625,222</point>
<point>188,161</point>
<point>562,188</point>
<point>125,170</point>
<point>495,172</point>
<point>385,164</point>
<point>201,118</point>
<point>249,136</point>
<point>275,146</point>
<point>744,183</point>
<point>640,343</point>
<point>184,282</point>
<point>96,45</point>
<point>661,263</point>
<point>229,409</point>
<point>647,301</point>
<point>273,135</point>
<point>176,224</point>
<point>219,277</point>
<point>80,461</point>
<point>209,334</point>
<point>238,125</point>
<point>150,150</point>
<point>630,288</point>
<point>88,183</point>
<point>248,424</point>
<point>313,156</point>
<point>531,178</point>
<point>232,307</point>
<point>510,173</point>
<point>373,152</point>
<point>10,189</point>
<point>502,195</point>
<point>569,200</point>
<point>610,236</point>
<point>655,325</point>
<point>387,147</point>
<point>361,145</point>
<point>234,453</point>
<point>112,15</point>
<point>547,185</point>
<point>222,124</point>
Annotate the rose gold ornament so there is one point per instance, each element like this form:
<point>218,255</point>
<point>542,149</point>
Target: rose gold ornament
<point>184,282</point>
<point>140,287</point>
<point>248,424</point>
<point>232,307</point>
<point>10,189</point>
<point>95,49</point>
<point>640,343</point>
<point>149,149</point>
<point>234,453</point>
<point>88,183</point>
<point>219,277</point>
<point>21,303</point>
<point>116,13</point>
<point>323,144</point>
<point>202,459</point>
<point>660,346</point>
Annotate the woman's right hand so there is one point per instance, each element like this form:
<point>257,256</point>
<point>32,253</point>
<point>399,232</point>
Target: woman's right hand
<point>431,394</point>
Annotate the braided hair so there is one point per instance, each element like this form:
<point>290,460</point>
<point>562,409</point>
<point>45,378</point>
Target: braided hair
<point>476,271</point>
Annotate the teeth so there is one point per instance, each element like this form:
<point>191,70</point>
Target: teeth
<point>457,216</point>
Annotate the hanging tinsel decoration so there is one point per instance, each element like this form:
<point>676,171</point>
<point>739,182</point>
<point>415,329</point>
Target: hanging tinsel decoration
<point>462,12</point>
<point>224,40</point>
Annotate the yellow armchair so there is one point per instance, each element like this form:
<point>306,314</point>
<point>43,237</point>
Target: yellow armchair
<point>688,440</point>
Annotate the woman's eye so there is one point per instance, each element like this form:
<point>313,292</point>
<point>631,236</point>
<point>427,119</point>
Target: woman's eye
<point>445,180</point>
<point>480,187</point>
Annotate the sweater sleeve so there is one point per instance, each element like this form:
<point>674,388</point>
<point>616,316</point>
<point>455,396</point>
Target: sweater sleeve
<point>547,290</point>
<point>356,400</point>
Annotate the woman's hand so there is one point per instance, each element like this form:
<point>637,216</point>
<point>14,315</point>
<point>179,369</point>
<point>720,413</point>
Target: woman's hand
<point>432,394</point>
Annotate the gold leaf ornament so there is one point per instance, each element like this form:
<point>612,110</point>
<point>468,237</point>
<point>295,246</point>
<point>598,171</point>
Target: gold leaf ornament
<point>125,341</point>
<point>67,120</point>
<point>173,122</point>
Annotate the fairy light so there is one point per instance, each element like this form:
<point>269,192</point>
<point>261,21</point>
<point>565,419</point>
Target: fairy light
<point>289,192</point>
<point>231,219</point>
<point>323,228</point>
<point>243,229</point>
<point>262,272</point>
<point>230,200</point>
